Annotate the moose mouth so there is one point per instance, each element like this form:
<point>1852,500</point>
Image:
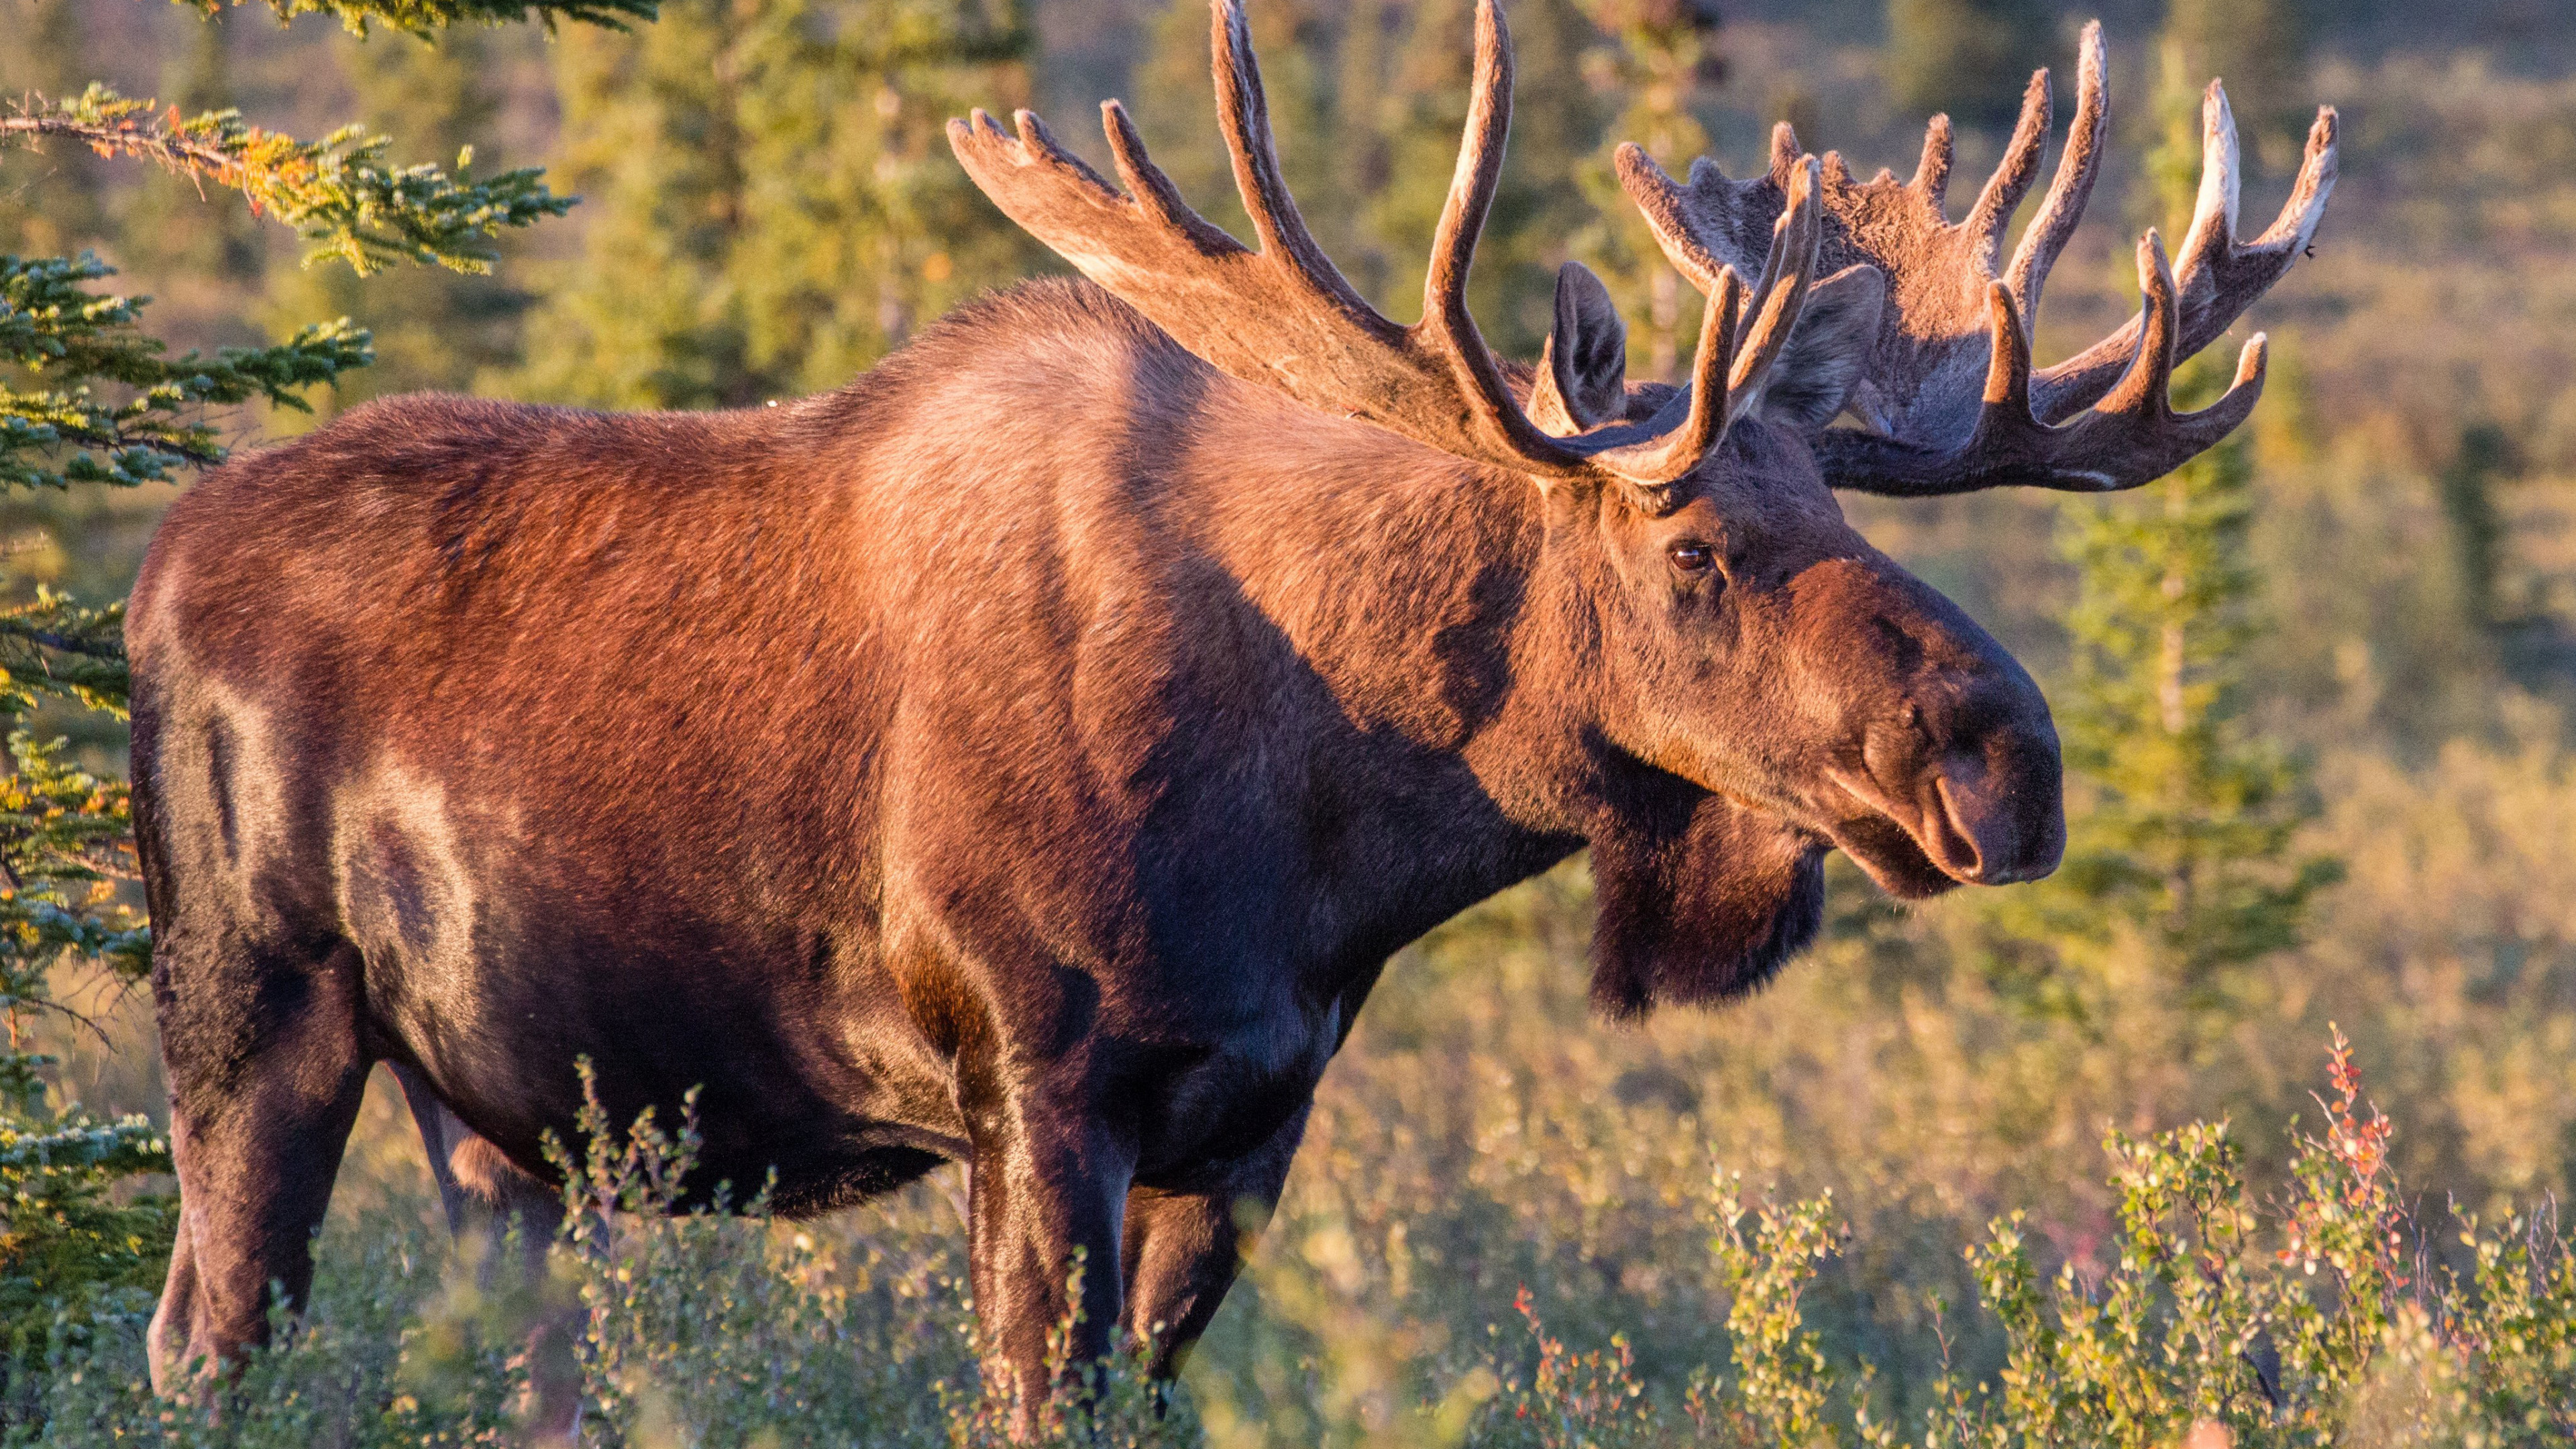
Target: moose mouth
<point>1959,828</point>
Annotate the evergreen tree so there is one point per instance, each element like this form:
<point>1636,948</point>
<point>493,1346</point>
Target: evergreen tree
<point>2182,818</point>
<point>1667,49</point>
<point>2260,48</point>
<point>773,205</point>
<point>52,203</point>
<point>440,329</point>
<point>2477,526</point>
<point>89,398</point>
<point>1969,58</point>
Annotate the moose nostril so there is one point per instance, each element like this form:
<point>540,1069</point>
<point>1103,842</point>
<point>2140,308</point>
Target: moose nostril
<point>2004,824</point>
<point>1962,846</point>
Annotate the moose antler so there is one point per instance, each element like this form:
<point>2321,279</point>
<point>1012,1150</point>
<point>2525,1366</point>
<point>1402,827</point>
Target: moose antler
<point>1949,396</point>
<point>1284,317</point>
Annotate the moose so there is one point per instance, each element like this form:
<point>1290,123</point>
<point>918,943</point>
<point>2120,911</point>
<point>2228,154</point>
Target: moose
<point>1029,754</point>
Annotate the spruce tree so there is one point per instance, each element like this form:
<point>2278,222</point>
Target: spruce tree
<point>441,329</point>
<point>53,204</point>
<point>772,203</point>
<point>1666,50</point>
<point>2476,523</point>
<point>89,398</point>
<point>2182,817</point>
<point>1969,58</point>
<point>2260,48</point>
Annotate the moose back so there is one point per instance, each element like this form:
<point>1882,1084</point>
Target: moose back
<point>1029,754</point>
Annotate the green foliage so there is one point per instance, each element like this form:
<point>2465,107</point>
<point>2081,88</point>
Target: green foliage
<point>773,205</point>
<point>697,1326</point>
<point>2183,819</point>
<point>2184,831</point>
<point>1780,1375</point>
<point>1969,58</point>
<point>423,16</point>
<point>55,332</point>
<point>338,193</point>
<point>2259,48</point>
<point>2318,1318</point>
<point>66,1237</point>
<point>2468,488</point>
<point>436,329</point>
<point>2287,1325</point>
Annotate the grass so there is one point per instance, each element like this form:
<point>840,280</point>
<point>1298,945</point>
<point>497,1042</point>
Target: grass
<point>1565,1259</point>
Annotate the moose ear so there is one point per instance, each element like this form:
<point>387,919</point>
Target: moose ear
<point>1705,903</point>
<point>1583,373</point>
<point>1815,372</point>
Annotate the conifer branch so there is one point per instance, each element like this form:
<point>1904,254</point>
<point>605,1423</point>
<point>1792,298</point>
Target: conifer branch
<point>51,326</point>
<point>421,16</point>
<point>337,192</point>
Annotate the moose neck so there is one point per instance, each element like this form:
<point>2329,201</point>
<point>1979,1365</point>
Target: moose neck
<point>1425,597</point>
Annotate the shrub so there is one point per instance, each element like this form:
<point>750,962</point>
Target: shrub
<point>2324,1314</point>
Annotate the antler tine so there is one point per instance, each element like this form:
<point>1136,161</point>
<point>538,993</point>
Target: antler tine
<point>2147,387</point>
<point>1155,194</point>
<point>1283,317</point>
<point>2014,174</point>
<point>1953,318</point>
<point>1445,316</point>
<point>2297,224</point>
<point>1243,113</point>
<point>2079,163</point>
<point>1785,152</point>
<point>1782,291</point>
<point>1932,173</point>
<point>1742,331</point>
<point>1662,202</point>
<point>2213,211</point>
<point>2219,277</point>
<point>1667,458</point>
<point>2141,430</point>
<point>2130,435</point>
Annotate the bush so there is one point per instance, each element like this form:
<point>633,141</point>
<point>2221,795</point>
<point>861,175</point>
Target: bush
<point>2323,1316</point>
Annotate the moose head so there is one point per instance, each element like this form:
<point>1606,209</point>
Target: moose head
<point>1760,680</point>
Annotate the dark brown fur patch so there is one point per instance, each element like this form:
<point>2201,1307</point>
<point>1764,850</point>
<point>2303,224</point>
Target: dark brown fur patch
<point>1701,909</point>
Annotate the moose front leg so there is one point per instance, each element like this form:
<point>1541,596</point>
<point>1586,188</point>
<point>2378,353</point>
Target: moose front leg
<point>1046,1180</point>
<point>1182,1248</point>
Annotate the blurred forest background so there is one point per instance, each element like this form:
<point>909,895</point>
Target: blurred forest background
<point>2319,691</point>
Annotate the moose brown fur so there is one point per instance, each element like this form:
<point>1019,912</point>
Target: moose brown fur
<point>1029,754</point>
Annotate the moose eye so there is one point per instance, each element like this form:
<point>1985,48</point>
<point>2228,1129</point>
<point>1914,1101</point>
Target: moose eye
<point>1693,559</point>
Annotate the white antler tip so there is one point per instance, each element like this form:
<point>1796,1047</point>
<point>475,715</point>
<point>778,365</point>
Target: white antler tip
<point>2155,269</point>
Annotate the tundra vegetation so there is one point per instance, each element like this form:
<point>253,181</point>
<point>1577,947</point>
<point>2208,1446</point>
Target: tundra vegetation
<point>2090,1160</point>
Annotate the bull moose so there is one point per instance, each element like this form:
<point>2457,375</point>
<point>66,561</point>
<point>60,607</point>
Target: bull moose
<point>1029,754</point>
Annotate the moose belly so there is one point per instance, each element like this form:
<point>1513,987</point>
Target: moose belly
<point>793,1049</point>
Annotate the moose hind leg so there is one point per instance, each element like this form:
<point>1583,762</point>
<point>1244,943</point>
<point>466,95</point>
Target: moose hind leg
<point>266,1069</point>
<point>508,1220</point>
<point>483,1192</point>
<point>1184,1248</point>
